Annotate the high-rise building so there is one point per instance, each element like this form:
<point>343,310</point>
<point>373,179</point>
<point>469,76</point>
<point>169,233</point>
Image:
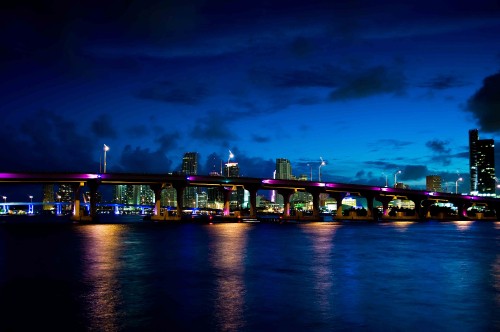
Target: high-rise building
<point>283,169</point>
<point>482,165</point>
<point>190,167</point>
<point>433,183</point>
<point>48,196</point>
<point>237,196</point>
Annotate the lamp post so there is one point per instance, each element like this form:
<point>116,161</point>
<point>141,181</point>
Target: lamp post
<point>106,149</point>
<point>396,178</point>
<point>30,207</point>
<point>456,185</point>
<point>386,183</point>
<point>4,199</point>
<point>319,168</point>
<point>231,155</point>
<point>311,171</point>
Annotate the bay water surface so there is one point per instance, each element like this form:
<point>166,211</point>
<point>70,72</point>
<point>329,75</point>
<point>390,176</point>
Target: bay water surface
<point>132,275</point>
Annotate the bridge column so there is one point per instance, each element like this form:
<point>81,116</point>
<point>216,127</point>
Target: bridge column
<point>369,204</point>
<point>253,200</point>
<point>385,200</point>
<point>93,186</point>
<point>157,188</point>
<point>226,192</point>
<point>462,207</point>
<point>417,201</point>
<point>339,197</point>
<point>76,200</point>
<point>423,209</point>
<point>179,189</point>
<point>286,193</point>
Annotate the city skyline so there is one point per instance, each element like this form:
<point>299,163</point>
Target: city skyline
<point>373,89</point>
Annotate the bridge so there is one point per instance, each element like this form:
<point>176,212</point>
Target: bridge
<point>338,191</point>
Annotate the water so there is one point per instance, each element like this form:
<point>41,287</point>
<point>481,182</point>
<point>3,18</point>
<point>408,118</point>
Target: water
<point>143,276</point>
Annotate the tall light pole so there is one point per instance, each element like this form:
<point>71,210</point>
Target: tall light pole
<point>456,185</point>
<point>386,183</point>
<point>4,199</point>
<point>319,168</point>
<point>106,149</point>
<point>311,171</point>
<point>396,178</point>
<point>231,156</point>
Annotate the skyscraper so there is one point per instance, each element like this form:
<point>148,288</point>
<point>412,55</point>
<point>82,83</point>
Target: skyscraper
<point>283,169</point>
<point>433,183</point>
<point>190,167</point>
<point>482,165</point>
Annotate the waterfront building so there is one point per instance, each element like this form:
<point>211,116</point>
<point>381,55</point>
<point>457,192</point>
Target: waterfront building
<point>433,183</point>
<point>48,196</point>
<point>190,167</point>
<point>283,169</point>
<point>481,165</point>
<point>237,196</point>
<point>65,194</point>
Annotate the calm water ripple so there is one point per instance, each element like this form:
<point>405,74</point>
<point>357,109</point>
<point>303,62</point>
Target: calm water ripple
<point>138,276</point>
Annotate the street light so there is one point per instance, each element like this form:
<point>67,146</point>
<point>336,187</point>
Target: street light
<point>231,156</point>
<point>396,178</point>
<point>31,198</point>
<point>456,185</point>
<point>386,183</point>
<point>319,169</point>
<point>4,199</point>
<point>106,149</point>
<point>311,170</point>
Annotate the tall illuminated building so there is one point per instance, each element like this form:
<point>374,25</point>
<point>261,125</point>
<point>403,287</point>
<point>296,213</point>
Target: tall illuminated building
<point>482,165</point>
<point>237,196</point>
<point>433,183</point>
<point>283,169</point>
<point>190,167</point>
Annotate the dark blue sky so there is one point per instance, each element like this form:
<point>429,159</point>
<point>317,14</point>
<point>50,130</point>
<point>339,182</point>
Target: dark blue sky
<point>371,87</point>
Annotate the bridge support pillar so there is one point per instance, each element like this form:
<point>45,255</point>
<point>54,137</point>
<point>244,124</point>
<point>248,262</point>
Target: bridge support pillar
<point>286,193</point>
<point>253,200</point>
<point>93,186</point>
<point>369,205</point>
<point>157,188</point>
<point>226,191</point>
<point>179,189</point>
<point>76,201</point>
<point>385,200</point>
<point>339,197</point>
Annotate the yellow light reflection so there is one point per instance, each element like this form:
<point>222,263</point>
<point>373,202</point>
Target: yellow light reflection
<point>401,226</point>
<point>227,257</point>
<point>322,242</point>
<point>463,225</point>
<point>101,264</point>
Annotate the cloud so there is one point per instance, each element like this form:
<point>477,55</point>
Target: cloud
<point>214,127</point>
<point>142,160</point>
<point>103,127</point>
<point>260,139</point>
<point>438,146</point>
<point>442,82</point>
<point>485,104</point>
<point>185,93</point>
<point>46,142</point>
<point>414,172</point>
<point>391,144</point>
<point>370,82</point>
<point>168,141</point>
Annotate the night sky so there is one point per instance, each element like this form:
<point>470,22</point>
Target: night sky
<point>371,87</point>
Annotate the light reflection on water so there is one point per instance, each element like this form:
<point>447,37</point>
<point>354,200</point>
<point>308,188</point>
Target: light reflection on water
<point>101,264</point>
<point>398,276</point>
<point>227,256</point>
